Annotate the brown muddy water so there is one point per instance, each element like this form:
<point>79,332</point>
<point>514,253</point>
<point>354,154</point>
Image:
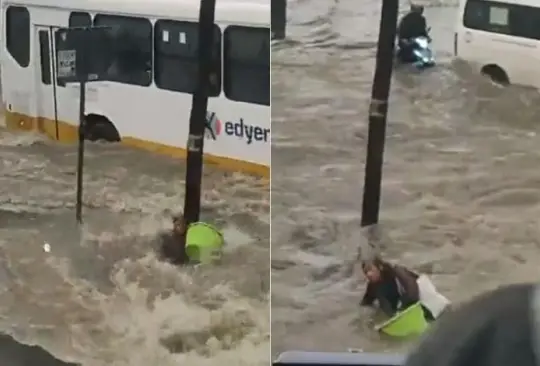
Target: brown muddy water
<point>100,297</point>
<point>461,176</point>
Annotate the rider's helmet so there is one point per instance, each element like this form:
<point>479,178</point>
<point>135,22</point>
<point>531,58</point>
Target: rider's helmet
<point>417,8</point>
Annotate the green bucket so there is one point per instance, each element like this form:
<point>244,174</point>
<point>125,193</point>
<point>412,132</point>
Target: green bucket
<point>204,243</point>
<point>409,322</point>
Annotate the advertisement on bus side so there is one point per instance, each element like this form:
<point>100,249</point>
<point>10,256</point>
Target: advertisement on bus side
<point>249,133</point>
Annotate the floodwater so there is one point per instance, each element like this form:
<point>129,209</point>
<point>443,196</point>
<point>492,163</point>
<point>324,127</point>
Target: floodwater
<point>461,176</point>
<point>100,297</point>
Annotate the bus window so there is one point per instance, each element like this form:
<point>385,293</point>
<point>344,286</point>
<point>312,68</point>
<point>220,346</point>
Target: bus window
<point>176,57</point>
<point>80,19</point>
<point>45,57</point>
<point>18,34</point>
<point>132,47</point>
<point>246,64</point>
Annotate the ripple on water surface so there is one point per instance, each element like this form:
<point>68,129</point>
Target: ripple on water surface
<point>100,297</point>
<point>460,197</point>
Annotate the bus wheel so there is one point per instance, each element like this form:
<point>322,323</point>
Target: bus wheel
<point>100,128</point>
<point>496,74</point>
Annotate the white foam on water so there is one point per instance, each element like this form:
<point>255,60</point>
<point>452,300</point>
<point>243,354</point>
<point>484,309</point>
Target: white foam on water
<point>155,313</point>
<point>235,238</point>
<point>100,296</point>
<point>459,191</point>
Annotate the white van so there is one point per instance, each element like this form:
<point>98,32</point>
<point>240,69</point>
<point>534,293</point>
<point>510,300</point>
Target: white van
<point>148,103</point>
<point>500,39</point>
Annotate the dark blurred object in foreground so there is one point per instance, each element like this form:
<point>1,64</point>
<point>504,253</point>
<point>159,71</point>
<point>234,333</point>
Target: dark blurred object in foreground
<point>498,328</point>
<point>13,353</point>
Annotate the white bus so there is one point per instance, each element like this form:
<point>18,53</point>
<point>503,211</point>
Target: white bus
<point>147,103</point>
<point>501,39</point>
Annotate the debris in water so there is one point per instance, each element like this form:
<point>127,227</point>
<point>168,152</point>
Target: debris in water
<point>46,247</point>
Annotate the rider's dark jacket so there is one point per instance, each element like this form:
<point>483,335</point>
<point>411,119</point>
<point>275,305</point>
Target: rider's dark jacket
<point>412,25</point>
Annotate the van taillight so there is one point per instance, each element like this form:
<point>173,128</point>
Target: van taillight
<point>455,44</point>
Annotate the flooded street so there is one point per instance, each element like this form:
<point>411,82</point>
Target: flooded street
<point>461,176</point>
<point>100,297</point>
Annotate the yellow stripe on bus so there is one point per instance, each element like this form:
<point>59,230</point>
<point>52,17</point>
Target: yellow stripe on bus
<point>68,134</point>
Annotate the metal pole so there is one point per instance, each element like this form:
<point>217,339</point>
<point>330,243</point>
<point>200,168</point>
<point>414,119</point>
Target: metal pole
<point>278,18</point>
<point>80,155</point>
<point>197,121</point>
<point>378,111</point>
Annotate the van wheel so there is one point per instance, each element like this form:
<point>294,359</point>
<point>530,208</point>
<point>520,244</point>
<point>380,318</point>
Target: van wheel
<point>496,74</point>
<point>100,128</point>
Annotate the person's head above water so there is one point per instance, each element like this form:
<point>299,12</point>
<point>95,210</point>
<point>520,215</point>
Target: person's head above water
<point>179,224</point>
<point>417,8</point>
<point>375,269</point>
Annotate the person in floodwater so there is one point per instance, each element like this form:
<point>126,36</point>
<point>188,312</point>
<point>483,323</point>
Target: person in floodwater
<point>173,243</point>
<point>497,328</point>
<point>394,287</point>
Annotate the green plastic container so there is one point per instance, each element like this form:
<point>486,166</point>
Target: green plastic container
<point>407,323</point>
<point>204,243</point>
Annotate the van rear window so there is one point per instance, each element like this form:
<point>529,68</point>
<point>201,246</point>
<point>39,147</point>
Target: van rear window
<point>502,18</point>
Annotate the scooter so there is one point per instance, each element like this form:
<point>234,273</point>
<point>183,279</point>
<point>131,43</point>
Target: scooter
<point>417,51</point>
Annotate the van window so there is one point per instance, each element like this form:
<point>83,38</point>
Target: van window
<point>176,57</point>
<point>497,17</point>
<point>18,34</point>
<point>45,57</point>
<point>80,19</point>
<point>246,64</point>
<point>132,44</point>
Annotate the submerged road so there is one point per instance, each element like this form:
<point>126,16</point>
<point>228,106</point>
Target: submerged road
<point>100,297</point>
<point>460,186</point>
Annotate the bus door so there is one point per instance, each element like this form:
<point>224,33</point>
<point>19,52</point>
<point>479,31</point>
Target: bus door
<point>46,107</point>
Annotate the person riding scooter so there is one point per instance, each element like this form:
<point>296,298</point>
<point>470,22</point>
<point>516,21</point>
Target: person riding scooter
<point>411,26</point>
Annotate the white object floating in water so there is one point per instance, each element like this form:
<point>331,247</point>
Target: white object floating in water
<point>46,247</point>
